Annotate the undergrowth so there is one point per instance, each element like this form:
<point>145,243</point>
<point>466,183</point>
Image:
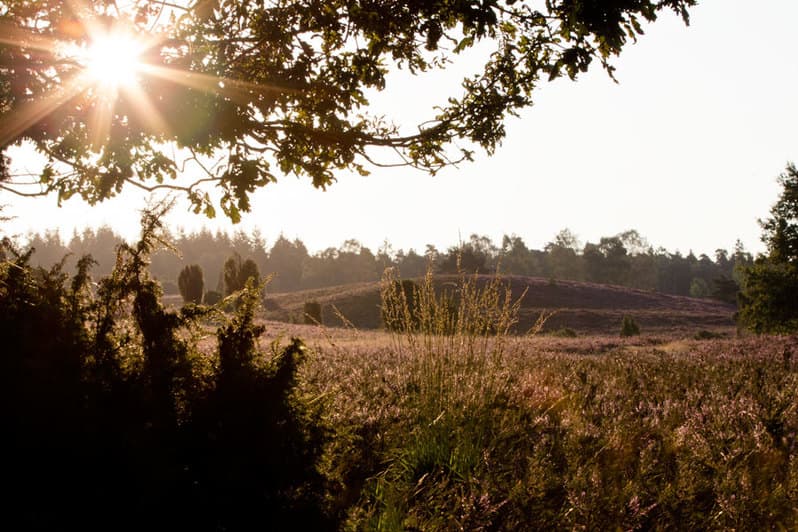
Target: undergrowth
<point>115,420</point>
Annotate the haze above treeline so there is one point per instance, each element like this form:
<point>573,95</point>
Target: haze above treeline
<point>626,259</point>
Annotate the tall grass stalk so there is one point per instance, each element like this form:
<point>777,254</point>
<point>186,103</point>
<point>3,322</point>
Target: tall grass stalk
<point>452,337</point>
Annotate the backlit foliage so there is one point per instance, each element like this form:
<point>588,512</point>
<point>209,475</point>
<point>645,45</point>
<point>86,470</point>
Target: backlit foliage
<point>236,94</point>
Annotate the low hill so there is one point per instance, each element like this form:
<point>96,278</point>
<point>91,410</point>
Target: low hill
<point>583,307</point>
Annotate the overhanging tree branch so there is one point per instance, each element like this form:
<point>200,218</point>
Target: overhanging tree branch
<point>281,87</point>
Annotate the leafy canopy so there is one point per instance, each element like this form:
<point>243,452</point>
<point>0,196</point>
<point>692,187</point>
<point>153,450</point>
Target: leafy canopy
<point>233,94</point>
<point>770,285</point>
<point>780,231</point>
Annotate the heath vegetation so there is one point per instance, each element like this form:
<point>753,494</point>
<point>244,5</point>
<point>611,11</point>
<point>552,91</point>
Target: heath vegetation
<point>480,430</point>
<point>453,418</point>
<point>120,412</point>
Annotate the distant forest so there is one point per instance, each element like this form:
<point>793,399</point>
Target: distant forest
<point>625,259</point>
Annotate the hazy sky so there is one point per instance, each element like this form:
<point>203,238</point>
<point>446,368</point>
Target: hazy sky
<point>685,149</point>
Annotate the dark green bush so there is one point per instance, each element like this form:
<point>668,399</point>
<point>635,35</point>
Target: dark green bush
<point>629,327</point>
<point>170,288</point>
<point>271,304</point>
<point>707,335</point>
<point>563,332</point>
<point>191,284</point>
<point>237,272</point>
<point>312,313</point>
<point>212,297</point>
<point>769,295</point>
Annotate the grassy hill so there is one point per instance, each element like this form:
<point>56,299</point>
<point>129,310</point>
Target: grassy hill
<point>584,307</point>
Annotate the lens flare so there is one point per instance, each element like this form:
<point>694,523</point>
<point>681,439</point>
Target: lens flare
<point>113,60</point>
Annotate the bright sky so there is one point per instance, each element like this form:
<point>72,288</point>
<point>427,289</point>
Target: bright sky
<point>685,149</point>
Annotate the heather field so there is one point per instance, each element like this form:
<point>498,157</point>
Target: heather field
<point>587,308</point>
<point>449,417</point>
<point>592,433</point>
<point>497,432</point>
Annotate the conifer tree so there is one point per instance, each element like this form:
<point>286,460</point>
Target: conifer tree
<point>191,284</point>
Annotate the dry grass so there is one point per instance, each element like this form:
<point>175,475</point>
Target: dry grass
<point>594,433</point>
<point>451,423</point>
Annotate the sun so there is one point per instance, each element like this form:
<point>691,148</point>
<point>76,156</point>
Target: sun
<point>113,60</point>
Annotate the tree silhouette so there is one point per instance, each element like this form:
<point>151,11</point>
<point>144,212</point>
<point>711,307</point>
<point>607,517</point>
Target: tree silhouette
<point>238,272</point>
<point>286,260</point>
<point>473,256</point>
<point>563,261</point>
<point>607,261</point>
<point>239,93</point>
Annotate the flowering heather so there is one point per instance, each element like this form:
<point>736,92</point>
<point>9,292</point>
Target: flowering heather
<point>588,433</point>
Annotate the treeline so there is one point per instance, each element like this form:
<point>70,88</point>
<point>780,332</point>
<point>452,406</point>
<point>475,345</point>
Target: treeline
<point>625,259</point>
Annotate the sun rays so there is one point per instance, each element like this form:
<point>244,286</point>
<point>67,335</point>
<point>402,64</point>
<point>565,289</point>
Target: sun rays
<point>99,66</point>
<point>113,60</point>
<point>114,88</point>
